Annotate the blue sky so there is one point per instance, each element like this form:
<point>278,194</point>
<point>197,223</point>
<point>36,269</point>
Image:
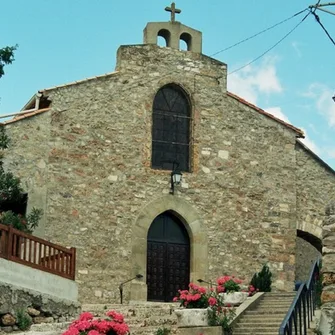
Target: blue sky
<point>61,41</point>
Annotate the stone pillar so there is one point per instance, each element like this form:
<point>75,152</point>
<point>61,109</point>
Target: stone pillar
<point>327,321</point>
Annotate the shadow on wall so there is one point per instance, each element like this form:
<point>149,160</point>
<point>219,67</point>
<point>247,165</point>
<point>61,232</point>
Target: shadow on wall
<point>308,249</point>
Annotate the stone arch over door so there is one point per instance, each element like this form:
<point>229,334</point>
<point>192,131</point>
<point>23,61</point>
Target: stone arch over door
<point>196,231</point>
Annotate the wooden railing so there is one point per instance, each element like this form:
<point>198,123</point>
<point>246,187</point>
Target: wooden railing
<point>37,253</point>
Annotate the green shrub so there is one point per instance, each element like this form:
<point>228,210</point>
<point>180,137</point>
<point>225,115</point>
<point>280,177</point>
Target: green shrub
<point>4,140</point>
<point>162,331</point>
<point>262,281</point>
<point>23,223</point>
<point>24,321</point>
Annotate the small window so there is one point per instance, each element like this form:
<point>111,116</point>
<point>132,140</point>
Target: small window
<point>171,129</point>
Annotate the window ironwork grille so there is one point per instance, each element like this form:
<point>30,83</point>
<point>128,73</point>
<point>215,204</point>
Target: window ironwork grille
<point>171,129</point>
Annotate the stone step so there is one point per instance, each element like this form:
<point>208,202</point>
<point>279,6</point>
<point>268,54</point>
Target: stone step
<point>265,304</point>
<point>152,321</point>
<point>280,295</point>
<point>149,330</point>
<point>250,325</point>
<point>260,318</point>
<point>267,311</point>
<point>41,327</point>
<point>252,332</point>
<point>131,310</point>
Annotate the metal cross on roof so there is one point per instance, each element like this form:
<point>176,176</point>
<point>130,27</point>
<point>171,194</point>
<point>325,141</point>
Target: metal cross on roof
<point>173,11</point>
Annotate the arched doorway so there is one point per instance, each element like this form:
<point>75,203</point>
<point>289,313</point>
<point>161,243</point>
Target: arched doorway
<point>168,257</point>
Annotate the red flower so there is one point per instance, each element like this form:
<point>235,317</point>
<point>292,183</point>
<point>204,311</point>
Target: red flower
<point>212,301</point>
<point>85,316</point>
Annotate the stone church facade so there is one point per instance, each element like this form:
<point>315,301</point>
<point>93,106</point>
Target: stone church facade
<point>96,155</point>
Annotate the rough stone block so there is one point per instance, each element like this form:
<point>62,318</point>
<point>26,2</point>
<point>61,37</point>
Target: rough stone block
<point>200,331</point>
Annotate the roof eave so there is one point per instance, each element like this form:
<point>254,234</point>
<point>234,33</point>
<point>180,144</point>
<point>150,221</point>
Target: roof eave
<point>299,132</point>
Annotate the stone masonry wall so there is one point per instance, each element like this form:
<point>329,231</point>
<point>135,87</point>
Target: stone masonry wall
<point>315,188</point>
<point>28,160</point>
<point>41,308</point>
<point>306,255</point>
<point>96,169</point>
<point>327,321</point>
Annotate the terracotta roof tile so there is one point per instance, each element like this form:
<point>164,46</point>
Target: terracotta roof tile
<point>25,115</point>
<point>262,111</point>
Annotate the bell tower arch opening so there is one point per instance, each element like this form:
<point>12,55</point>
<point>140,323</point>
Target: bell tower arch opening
<point>164,35</point>
<point>185,39</point>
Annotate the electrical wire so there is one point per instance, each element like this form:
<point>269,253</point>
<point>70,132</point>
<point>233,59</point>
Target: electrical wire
<point>140,81</point>
<point>268,50</point>
<point>317,18</point>
<point>257,34</point>
<point>316,7</point>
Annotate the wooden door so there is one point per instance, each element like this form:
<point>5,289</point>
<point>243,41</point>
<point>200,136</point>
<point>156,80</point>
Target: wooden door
<point>168,258</point>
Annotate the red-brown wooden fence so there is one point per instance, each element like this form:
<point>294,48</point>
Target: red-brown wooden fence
<point>37,253</point>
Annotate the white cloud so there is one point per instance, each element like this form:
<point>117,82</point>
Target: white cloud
<point>277,112</point>
<point>322,96</point>
<point>295,46</point>
<point>309,143</point>
<point>252,81</point>
<point>331,153</point>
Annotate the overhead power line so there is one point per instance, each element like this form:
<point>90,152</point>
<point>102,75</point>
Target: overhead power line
<point>268,50</point>
<point>317,18</point>
<point>257,34</point>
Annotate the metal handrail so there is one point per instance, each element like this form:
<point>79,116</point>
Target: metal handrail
<point>138,276</point>
<point>301,311</point>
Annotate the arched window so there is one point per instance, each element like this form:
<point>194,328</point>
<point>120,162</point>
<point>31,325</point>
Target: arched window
<point>171,129</point>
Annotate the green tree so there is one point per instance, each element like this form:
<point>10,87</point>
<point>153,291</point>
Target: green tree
<point>11,191</point>
<point>6,57</point>
<point>262,280</point>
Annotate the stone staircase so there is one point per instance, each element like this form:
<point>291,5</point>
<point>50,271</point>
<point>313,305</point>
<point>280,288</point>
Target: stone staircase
<point>145,318</point>
<point>142,318</point>
<point>265,318</point>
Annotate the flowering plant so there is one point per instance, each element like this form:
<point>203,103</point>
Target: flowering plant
<point>87,325</point>
<point>200,297</point>
<point>222,316</point>
<point>228,284</point>
<point>252,290</point>
<point>196,297</point>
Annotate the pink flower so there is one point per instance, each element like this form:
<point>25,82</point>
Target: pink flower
<point>175,299</point>
<point>202,290</point>
<point>93,332</point>
<point>86,316</point>
<point>117,317</point>
<point>71,331</point>
<point>220,289</point>
<point>212,301</point>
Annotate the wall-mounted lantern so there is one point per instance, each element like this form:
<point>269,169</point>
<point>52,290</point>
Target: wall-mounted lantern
<point>176,176</point>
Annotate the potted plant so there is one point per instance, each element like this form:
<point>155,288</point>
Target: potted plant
<point>203,307</point>
<point>88,325</point>
<point>230,288</point>
<point>195,302</point>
